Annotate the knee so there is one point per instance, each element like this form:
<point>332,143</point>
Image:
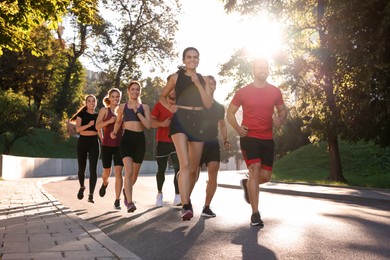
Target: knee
<point>264,176</point>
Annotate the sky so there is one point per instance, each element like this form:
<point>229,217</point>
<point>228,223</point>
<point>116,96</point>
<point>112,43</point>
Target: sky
<point>204,24</point>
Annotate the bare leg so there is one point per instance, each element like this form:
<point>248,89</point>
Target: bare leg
<point>106,173</point>
<point>211,187</point>
<point>128,185</point>
<point>181,145</point>
<point>118,181</point>
<point>257,176</point>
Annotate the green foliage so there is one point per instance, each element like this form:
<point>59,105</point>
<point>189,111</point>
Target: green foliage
<point>44,144</point>
<point>142,33</point>
<point>19,18</point>
<point>16,117</point>
<point>365,165</point>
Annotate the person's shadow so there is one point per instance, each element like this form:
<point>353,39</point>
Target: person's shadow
<point>247,237</point>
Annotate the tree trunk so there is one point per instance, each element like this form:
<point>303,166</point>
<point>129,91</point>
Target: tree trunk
<point>335,168</point>
<point>327,68</point>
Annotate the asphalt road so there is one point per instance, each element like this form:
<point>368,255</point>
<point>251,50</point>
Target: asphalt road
<point>296,227</point>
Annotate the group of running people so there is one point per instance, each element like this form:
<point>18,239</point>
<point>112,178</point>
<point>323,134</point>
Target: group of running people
<point>188,119</point>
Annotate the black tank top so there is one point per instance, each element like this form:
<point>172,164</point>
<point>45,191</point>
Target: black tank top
<point>187,93</point>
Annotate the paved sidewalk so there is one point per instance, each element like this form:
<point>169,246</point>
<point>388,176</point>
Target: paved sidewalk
<point>34,225</point>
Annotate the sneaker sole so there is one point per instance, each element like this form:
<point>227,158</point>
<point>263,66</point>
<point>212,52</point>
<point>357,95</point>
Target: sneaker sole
<point>208,216</point>
<point>132,209</point>
<point>187,216</point>
<point>257,224</point>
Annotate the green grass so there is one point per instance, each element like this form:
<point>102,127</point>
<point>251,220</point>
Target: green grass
<point>43,143</point>
<point>364,164</point>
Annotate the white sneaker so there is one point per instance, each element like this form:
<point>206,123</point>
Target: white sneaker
<point>159,200</point>
<point>177,200</point>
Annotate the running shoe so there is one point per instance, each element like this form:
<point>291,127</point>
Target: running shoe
<point>117,204</point>
<point>243,184</point>
<point>102,190</point>
<point>187,213</point>
<point>177,200</point>
<point>207,212</point>
<point>131,207</point>
<point>159,200</point>
<point>125,199</point>
<point>256,220</point>
<point>90,198</point>
<point>80,194</point>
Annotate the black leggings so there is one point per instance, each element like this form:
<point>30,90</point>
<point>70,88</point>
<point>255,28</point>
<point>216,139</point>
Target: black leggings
<point>88,148</point>
<point>162,166</point>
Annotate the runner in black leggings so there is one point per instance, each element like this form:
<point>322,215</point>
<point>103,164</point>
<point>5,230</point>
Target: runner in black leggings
<point>87,145</point>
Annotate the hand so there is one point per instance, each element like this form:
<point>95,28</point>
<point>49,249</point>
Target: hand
<point>242,131</point>
<point>113,135</point>
<point>226,144</point>
<point>195,79</point>
<point>91,123</point>
<point>166,122</point>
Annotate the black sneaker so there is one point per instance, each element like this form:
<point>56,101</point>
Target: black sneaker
<point>131,207</point>
<point>80,194</point>
<point>187,212</point>
<point>207,212</point>
<point>256,220</point>
<point>102,190</point>
<point>90,198</point>
<point>243,183</point>
<point>117,204</point>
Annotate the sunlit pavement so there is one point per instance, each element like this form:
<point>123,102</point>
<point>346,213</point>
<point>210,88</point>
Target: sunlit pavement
<point>301,221</point>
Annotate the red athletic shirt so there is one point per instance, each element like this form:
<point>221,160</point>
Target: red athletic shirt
<point>258,107</point>
<point>161,113</point>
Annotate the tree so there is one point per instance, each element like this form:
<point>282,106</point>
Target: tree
<point>17,117</point>
<point>142,33</point>
<point>85,19</point>
<point>337,65</point>
<point>19,18</point>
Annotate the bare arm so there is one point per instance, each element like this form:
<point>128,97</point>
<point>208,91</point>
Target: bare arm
<point>223,133</point>
<point>156,124</point>
<point>102,114</point>
<point>118,121</point>
<point>145,120</point>
<point>165,92</point>
<point>80,128</point>
<point>231,118</point>
<point>282,115</point>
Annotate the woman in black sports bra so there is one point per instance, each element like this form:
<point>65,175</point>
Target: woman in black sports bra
<point>87,145</point>
<point>186,128</point>
<point>135,117</point>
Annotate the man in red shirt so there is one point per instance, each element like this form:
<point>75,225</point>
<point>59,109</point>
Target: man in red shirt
<point>161,119</point>
<point>258,101</point>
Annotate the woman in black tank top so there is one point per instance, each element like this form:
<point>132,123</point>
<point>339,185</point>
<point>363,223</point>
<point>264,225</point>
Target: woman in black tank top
<point>87,145</point>
<point>186,127</point>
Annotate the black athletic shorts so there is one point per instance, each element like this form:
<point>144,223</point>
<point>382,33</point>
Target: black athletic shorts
<point>110,153</point>
<point>189,122</point>
<point>256,150</point>
<point>211,152</point>
<point>133,145</point>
